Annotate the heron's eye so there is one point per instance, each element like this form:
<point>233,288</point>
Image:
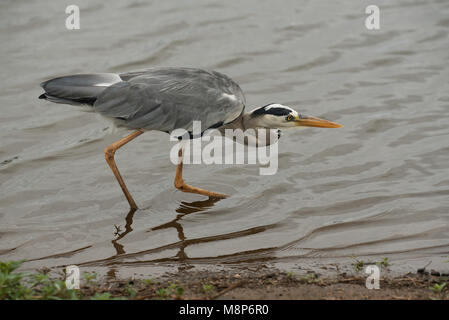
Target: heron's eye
<point>289,118</point>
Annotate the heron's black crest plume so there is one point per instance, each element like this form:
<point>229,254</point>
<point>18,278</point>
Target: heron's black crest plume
<point>276,111</point>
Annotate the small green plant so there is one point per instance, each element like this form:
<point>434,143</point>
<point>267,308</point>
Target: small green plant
<point>101,296</point>
<point>11,282</point>
<point>89,278</point>
<point>438,288</point>
<point>385,263</point>
<point>105,296</point>
<point>309,278</point>
<point>291,276</point>
<point>176,290</point>
<point>208,288</point>
<point>20,285</point>
<point>163,293</point>
<point>172,291</point>
<point>132,293</point>
<point>358,264</point>
<point>147,282</point>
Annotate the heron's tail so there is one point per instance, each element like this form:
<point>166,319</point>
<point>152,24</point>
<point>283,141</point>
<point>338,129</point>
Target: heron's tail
<point>79,89</point>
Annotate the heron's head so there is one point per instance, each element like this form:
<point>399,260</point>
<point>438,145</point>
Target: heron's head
<point>279,116</point>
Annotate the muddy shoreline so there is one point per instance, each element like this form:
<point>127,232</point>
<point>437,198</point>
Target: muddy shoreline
<point>267,283</point>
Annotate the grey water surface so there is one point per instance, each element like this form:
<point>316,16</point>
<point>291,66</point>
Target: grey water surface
<point>379,187</point>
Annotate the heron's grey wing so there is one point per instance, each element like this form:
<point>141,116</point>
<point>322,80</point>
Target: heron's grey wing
<point>170,98</point>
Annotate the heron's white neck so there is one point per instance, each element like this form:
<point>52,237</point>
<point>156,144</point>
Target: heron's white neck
<point>248,121</point>
<point>244,122</point>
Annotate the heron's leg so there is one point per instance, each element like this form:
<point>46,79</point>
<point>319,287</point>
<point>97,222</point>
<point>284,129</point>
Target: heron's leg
<point>109,156</point>
<point>184,187</point>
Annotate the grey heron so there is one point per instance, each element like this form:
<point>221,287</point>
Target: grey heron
<point>169,98</point>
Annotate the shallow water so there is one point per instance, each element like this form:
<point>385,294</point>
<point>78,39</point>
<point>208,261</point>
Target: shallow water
<point>379,187</point>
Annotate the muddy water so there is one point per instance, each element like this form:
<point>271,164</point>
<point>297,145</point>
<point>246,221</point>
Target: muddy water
<point>379,187</point>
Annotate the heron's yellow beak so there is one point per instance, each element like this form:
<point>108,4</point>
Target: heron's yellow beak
<point>308,121</point>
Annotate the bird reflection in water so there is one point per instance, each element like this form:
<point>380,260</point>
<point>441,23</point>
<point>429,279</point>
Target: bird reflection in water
<point>185,208</point>
<point>181,258</point>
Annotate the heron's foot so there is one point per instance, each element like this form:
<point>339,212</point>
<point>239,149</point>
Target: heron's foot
<point>184,187</point>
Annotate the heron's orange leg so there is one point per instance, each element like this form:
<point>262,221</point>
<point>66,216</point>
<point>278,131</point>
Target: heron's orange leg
<point>109,156</point>
<point>184,187</point>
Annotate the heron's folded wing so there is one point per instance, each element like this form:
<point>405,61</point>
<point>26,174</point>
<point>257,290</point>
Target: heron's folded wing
<point>161,100</point>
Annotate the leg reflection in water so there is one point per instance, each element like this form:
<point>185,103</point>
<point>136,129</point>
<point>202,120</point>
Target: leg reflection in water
<point>136,258</point>
<point>184,209</point>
